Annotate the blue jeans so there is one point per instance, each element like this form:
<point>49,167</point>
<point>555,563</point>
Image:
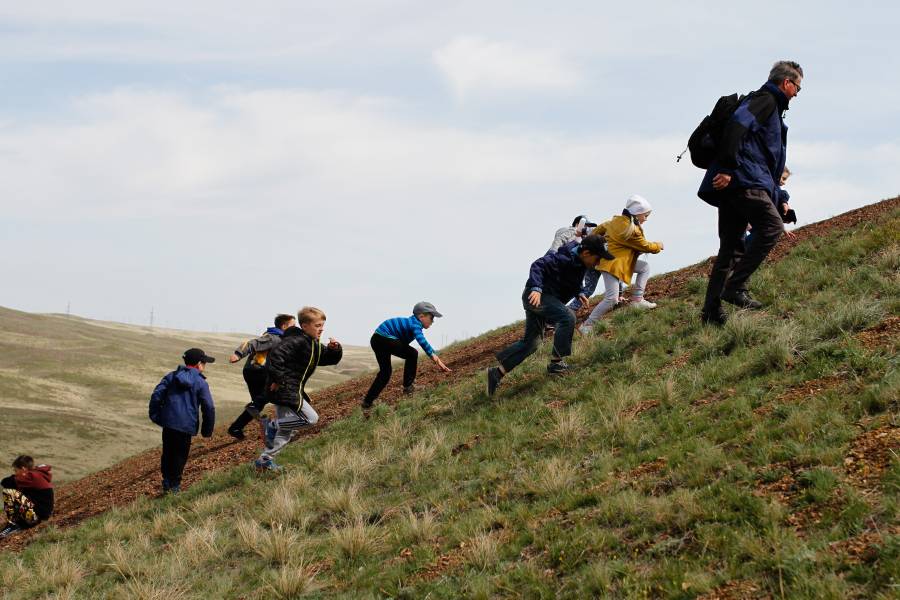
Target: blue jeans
<point>591,278</point>
<point>551,310</point>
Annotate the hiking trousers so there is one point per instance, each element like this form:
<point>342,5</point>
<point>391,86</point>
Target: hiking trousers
<point>551,310</point>
<point>385,348</point>
<point>290,420</point>
<point>733,265</point>
<point>256,385</point>
<point>176,445</point>
<point>613,287</point>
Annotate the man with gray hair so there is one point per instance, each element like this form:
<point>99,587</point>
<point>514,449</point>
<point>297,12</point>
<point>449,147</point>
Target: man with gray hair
<point>741,182</point>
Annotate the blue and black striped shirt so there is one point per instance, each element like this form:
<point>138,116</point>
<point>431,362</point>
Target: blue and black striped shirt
<point>405,329</point>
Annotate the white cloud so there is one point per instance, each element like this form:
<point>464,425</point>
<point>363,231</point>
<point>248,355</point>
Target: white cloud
<point>475,66</point>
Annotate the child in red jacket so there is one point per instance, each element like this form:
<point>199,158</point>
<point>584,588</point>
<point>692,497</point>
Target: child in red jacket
<point>27,495</point>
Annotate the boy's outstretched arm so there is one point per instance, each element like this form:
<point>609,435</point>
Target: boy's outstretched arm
<point>331,353</point>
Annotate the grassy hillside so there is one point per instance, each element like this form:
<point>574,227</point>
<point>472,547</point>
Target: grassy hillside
<point>74,391</point>
<point>679,461</point>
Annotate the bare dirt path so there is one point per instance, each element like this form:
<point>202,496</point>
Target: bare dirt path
<point>139,475</point>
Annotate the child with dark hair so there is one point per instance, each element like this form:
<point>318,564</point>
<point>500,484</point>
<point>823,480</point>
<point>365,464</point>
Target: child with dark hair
<point>256,351</point>
<point>554,279</point>
<point>393,338</point>
<point>27,495</point>
<point>290,366</point>
<point>176,405</point>
<point>581,226</point>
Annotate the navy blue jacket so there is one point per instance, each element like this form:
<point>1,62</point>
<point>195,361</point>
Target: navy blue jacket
<point>753,147</point>
<point>179,398</point>
<point>559,274</point>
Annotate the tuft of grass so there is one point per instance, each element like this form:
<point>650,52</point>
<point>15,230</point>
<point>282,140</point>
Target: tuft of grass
<point>482,550</point>
<point>356,539</point>
<point>418,527</point>
<point>569,426</point>
<point>420,455</point>
<point>293,580</point>
<point>151,590</point>
<point>552,476</point>
<point>59,569</point>
<point>343,500</point>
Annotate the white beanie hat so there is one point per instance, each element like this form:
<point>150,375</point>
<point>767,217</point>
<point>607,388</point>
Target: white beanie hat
<point>637,205</point>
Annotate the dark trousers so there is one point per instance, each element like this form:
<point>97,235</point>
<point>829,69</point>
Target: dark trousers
<point>175,450</point>
<point>384,348</point>
<point>256,384</point>
<point>551,310</point>
<point>734,265</point>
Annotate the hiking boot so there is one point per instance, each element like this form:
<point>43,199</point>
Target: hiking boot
<point>741,299</point>
<point>642,304</point>
<point>409,390</point>
<point>237,434</point>
<point>266,464</point>
<point>714,316</point>
<point>493,380</point>
<point>9,530</point>
<point>559,367</point>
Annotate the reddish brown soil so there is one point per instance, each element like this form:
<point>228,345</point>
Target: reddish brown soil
<point>886,334</point>
<point>736,590</point>
<point>861,548</point>
<point>139,476</point>
<point>870,455</point>
<point>802,391</point>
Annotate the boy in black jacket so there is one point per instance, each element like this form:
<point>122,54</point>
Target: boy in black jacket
<point>290,366</point>
<point>554,279</point>
<point>27,495</point>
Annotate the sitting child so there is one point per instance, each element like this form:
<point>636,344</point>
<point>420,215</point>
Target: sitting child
<point>626,243</point>
<point>27,495</point>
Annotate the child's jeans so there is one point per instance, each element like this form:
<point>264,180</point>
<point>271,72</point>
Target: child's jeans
<point>551,310</point>
<point>611,295</point>
<point>289,421</point>
<point>19,509</point>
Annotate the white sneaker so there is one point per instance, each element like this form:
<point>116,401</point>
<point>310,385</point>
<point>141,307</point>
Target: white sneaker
<point>585,330</point>
<point>642,304</point>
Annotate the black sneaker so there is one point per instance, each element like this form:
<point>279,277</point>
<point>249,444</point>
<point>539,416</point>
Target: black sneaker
<point>493,380</point>
<point>559,367</point>
<point>408,390</point>
<point>715,316</point>
<point>9,530</point>
<point>742,299</point>
<point>237,434</point>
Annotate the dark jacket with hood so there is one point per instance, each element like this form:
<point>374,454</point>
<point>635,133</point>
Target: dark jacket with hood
<point>178,400</point>
<point>293,362</point>
<point>559,274</point>
<point>37,485</point>
<point>257,349</point>
<point>753,147</point>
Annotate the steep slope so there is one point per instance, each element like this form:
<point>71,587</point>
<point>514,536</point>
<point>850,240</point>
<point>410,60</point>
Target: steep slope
<point>679,460</point>
<point>73,391</point>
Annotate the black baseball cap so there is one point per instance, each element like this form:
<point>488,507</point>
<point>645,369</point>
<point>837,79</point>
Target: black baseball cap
<point>196,355</point>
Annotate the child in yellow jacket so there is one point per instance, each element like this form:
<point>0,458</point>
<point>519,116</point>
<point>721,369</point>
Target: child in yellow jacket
<point>626,241</point>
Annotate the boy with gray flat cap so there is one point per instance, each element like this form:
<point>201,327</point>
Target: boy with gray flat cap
<point>393,338</point>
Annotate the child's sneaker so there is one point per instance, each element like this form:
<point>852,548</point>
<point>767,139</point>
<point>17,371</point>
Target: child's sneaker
<point>9,530</point>
<point>266,464</point>
<point>236,434</point>
<point>585,330</point>
<point>493,379</point>
<point>559,367</point>
<point>642,304</point>
<point>408,390</point>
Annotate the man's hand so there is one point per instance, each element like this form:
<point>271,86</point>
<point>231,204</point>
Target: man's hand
<point>234,358</point>
<point>721,181</point>
<point>437,360</point>
<point>534,299</point>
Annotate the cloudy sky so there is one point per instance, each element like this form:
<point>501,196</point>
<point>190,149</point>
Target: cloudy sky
<point>220,162</point>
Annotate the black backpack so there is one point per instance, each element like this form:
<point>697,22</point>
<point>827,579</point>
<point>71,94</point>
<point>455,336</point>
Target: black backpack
<point>704,142</point>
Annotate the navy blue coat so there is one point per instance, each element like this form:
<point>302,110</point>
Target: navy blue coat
<point>754,146</point>
<point>559,274</point>
<point>179,398</point>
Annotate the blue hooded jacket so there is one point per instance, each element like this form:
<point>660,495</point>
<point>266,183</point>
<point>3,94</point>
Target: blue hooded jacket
<point>754,146</point>
<point>559,274</point>
<point>179,398</point>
